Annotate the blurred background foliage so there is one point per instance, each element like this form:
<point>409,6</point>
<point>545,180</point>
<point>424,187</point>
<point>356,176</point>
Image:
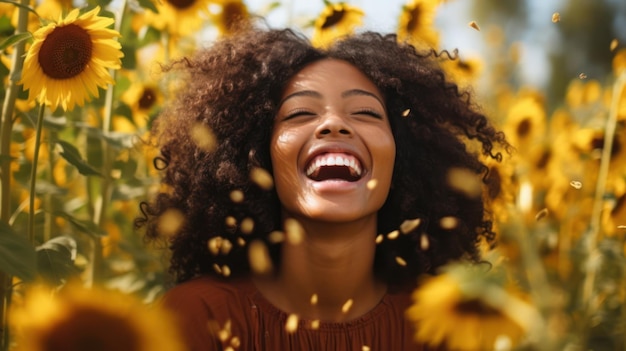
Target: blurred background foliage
<point>559,202</point>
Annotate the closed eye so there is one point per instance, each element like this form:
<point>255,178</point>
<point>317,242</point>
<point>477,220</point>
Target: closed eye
<point>298,112</point>
<point>369,112</point>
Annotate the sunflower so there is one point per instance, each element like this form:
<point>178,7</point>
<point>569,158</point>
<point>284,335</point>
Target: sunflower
<point>335,21</point>
<point>456,309</point>
<point>525,124</point>
<point>463,72</point>
<point>229,15</point>
<point>77,319</point>
<point>416,23</point>
<point>179,17</point>
<point>70,59</point>
<point>144,99</point>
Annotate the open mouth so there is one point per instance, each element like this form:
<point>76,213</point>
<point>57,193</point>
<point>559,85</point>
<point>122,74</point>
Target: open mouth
<point>334,166</point>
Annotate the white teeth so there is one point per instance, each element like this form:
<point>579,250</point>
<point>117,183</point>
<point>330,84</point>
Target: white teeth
<point>338,160</point>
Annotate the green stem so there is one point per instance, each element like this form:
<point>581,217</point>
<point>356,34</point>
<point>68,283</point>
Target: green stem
<point>48,223</point>
<point>7,115</point>
<point>5,161</point>
<point>105,188</point>
<point>33,176</point>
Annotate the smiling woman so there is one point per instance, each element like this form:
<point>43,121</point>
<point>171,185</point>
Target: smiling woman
<point>306,190</point>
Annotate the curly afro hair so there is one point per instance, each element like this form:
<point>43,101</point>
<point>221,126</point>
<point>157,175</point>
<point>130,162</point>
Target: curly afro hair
<point>233,87</point>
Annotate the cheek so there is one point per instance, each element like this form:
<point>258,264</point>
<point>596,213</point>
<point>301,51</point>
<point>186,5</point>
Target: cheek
<point>284,151</point>
<point>384,153</point>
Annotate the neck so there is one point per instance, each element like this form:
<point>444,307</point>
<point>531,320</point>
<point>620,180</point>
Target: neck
<point>334,263</point>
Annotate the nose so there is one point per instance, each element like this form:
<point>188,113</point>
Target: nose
<point>333,124</point>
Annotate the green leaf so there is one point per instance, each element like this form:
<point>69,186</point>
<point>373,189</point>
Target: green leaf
<point>120,140</point>
<point>14,39</point>
<point>54,123</point>
<point>117,140</point>
<point>84,226</point>
<point>124,110</point>
<point>127,192</point>
<point>129,60</point>
<point>43,187</point>
<point>20,5</point>
<point>148,4</point>
<point>17,255</point>
<point>149,36</point>
<point>30,117</point>
<point>55,259</point>
<point>71,155</point>
<point>128,168</point>
<point>6,28</point>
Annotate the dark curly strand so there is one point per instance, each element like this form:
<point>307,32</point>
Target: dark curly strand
<point>234,86</point>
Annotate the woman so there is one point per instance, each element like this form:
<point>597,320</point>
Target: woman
<point>360,140</point>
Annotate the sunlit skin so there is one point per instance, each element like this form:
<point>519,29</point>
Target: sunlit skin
<point>328,109</point>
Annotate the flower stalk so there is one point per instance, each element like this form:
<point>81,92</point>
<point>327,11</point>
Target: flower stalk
<point>105,185</point>
<point>33,176</point>
<point>6,129</point>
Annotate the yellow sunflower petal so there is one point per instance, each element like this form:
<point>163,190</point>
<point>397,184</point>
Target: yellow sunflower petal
<point>179,17</point>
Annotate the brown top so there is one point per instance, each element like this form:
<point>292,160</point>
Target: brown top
<point>255,324</point>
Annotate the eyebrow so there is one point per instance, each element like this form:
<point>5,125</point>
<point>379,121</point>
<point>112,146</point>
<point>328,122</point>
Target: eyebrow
<point>317,95</point>
<point>310,93</point>
<point>355,92</point>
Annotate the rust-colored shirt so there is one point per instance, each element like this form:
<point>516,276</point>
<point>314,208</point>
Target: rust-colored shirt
<point>215,314</point>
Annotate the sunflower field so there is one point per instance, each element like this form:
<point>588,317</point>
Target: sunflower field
<point>82,83</point>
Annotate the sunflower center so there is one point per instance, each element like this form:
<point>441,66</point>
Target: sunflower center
<point>414,16</point>
<point>464,66</point>
<point>544,159</point>
<point>65,52</point>
<point>334,18</point>
<point>147,99</point>
<point>598,144</point>
<point>181,4</point>
<point>233,14</point>
<point>524,127</point>
<point>89,328</point>
<point>475,307</point>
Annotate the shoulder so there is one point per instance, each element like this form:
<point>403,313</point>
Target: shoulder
<point>207,287</point>
<point>207,293</point>
<point>205,305</point>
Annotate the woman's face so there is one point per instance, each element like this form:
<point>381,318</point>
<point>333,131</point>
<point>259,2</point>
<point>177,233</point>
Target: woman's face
<point>332,149</point>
